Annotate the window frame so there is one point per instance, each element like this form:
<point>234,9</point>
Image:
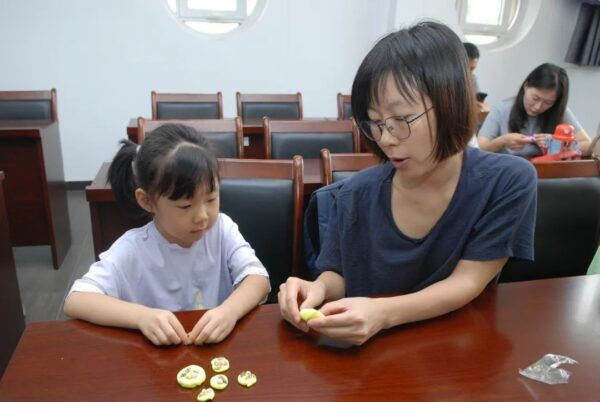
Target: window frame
<point>243,24</point>
<point>190,14</point>
<point>501,34</point>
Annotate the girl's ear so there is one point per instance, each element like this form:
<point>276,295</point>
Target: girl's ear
<point>144,200</point>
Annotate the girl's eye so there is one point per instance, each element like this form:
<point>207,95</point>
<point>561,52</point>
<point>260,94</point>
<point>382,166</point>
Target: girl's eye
<point>212,199</point>
<point>184,206</point>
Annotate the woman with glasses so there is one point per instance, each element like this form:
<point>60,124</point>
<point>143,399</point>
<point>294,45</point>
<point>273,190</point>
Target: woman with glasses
<point>433,225</point>
<point>522,125</point>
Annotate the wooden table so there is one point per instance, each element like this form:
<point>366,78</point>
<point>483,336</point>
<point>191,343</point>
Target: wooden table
<point>36,199</point>
<point>471,355</point>
<point>108,223</point>
<point>11,310</point>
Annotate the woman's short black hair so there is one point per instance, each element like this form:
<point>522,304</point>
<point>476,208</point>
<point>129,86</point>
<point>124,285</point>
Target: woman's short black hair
<point>545,76</point>
<point>472,51</point>
<point>430,59</point>
<point>172,161</point>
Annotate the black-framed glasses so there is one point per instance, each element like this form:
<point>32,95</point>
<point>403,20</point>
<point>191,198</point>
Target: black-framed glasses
<point>397,126</point>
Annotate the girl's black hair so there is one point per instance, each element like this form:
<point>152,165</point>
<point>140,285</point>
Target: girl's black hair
<point>544,76</point>
<point>172,161</point>
<point>429,58</point>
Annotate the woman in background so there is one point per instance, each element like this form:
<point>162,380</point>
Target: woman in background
<point>521,125</point>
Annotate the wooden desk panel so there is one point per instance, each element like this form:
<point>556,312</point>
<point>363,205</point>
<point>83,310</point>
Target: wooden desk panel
<point>31,156</point>
<point>11,310</point>
<point>471,355</point>
<point>108,223</point>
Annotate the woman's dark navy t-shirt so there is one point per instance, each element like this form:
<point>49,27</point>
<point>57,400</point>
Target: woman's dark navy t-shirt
<point>491,215</point>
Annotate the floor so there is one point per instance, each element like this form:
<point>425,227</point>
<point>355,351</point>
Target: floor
<point>43,289</point>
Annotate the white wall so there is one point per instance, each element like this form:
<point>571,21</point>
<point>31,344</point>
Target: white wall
<point>104,58</point>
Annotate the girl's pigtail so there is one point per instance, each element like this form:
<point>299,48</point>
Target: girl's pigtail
<point>123,181</point>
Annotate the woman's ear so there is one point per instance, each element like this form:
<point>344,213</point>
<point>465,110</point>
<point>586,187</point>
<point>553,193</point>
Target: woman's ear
<point>144,200</point>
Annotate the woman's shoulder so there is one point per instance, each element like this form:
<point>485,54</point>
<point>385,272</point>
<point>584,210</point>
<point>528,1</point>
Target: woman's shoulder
<point>489,165</point>
<point>367,178</point>
<point>503,107</point>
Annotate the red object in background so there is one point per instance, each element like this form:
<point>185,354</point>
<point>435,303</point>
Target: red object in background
<point>565,134</point>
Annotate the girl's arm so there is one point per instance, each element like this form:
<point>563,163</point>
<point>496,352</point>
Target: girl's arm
<point>355,320</point>
<point>216,324</point>
<point>252,290</point>
<point>160,326</point>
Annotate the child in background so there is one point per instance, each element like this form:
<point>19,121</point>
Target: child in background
<point>190,256</point>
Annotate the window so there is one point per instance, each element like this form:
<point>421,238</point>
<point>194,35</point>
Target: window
<point>490,22</point>
<point>216,17</point>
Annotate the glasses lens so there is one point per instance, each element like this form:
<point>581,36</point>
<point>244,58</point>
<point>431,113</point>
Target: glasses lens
<point>369,129</point>
<point>398,127</point>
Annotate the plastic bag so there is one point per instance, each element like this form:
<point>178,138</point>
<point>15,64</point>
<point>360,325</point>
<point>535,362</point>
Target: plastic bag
<point>546,369</point>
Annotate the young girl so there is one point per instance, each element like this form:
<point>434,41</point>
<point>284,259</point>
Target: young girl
<point>188,257</point>
<point>521,125</point>
<point>431,227</point>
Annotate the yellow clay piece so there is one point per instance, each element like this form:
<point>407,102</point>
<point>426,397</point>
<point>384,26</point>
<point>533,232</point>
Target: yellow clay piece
<point>219,364</point>
<point>247,379</point>
<point>191,376</point>
<point>207,394</point>
<point>308,314</point>
<point>219,381</point>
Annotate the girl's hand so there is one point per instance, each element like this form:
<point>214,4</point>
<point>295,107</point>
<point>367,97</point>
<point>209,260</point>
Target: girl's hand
<point>540,140</point>
<point>352,320</point>
<point>214,326</point>
<point>296,294</point>
<point>161,327</point>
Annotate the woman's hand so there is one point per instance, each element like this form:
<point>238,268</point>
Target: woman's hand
<point>353,320</point>
<point>541,140</point>
<point>161,327</point>
<point>296,294</point>
<point>214,326</point>
<point>515,141</point>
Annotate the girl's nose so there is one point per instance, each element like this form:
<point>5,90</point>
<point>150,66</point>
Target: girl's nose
<point>200,215</point>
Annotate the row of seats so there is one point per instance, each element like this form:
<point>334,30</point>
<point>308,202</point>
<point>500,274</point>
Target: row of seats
<point>282,138</point>
<point>249,106</point>
<point>42,105</point>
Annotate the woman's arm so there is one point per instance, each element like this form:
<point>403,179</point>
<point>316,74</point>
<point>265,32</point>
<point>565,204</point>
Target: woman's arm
<point>355,320</point>
<point>160,326</point>
<point>466,282</point>
<point>584,141</point>
<point>513,141</point>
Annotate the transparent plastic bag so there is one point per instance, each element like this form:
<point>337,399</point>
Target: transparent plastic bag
<point>546,369</point>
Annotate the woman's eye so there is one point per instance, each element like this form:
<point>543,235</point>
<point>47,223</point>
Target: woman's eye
<point>212,199</point>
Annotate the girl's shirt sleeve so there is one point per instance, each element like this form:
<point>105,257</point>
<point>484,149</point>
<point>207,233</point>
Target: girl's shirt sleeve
<point>101,278</point>
<point>240,256</point>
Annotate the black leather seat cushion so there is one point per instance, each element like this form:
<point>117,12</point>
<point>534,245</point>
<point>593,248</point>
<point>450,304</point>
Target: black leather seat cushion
<point>263,211</point>
<point>341,175</point>
<point>187,110</point>
<point>347,110</point>
<point>567,230</point>
<point>25,110</point>
<point>276,110</point>
<point>224,144</point>
<point>309,145</point>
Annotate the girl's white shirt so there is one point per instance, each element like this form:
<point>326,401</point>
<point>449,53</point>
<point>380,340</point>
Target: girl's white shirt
<point>143,267</point>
